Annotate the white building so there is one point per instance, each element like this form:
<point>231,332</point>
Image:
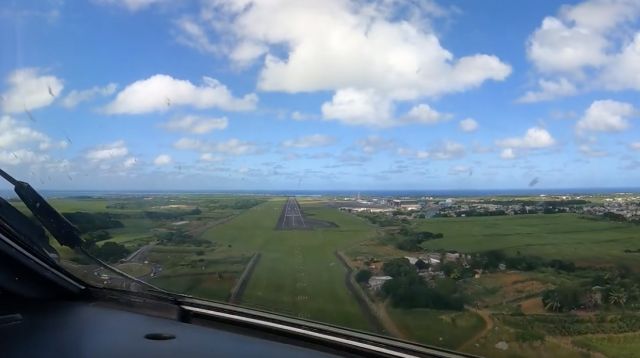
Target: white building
<point>412,260</point>
<point>376,282</point>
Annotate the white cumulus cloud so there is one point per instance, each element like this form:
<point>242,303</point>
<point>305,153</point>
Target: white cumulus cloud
<point>373,144</point>
<point>210,157</point>
<point>162,159</point>
<point>231,146</point>
<point>14,134</point>
<point>160,92</point>
<point>28,89</point>
<point>422,154</point>
<point>21,144</point>
<point>22,156</point>
<point>508,153</point>
<point>115,150</point>
<point>76,97</point>
<point>236,147</point>
<point>549,90</point>
<point>423,113</point>
<point>130,162</point>
<point>370,108</point>
<point>460,170</point>
<point>468,125</point>
<point>362,53</point>
<point>589,151</point>
<point>359,107</point>
<point>196,124</point>
<point>623,71</point>
<point>310,141</point>
<point>448,150</point>
<point>194,35</point>
<point>606,116</point>
<point>131,5</point>
<point>534,138</point>
<point>592,45</point>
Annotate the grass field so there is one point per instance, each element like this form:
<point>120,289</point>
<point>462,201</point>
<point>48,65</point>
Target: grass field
<point>562,236</point>
<point>500,288</point>
<point>198,285</point>
<point>134,269</point>
<point>438,328</point>
<point>298,273</point>
<point>486,346</point>
<point>619,346</point>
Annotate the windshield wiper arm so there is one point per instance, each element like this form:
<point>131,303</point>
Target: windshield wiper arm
<point>26,230</point>
<point>60,228</point>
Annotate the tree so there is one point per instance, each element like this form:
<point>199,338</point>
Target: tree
<point>404,230</point>
<point>398,267</point>
<point>409,290</point>
<point>493,258</point>
<point>448,268</point>
<point>97,236</point>
<point>86,222</point>
<point>551,301</point>
<point>410,244</point>
<point>110,251</point>
<point>526,262</point>
<point>562,265</point>
<point>618,296</point>
<point>363,276</point>
<point>563,298</point>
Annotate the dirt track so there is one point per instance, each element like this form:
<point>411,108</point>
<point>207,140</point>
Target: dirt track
<point>376,314</point>
<point>488,325</point>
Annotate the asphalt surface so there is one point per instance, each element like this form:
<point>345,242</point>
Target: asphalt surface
<point>139,256</point>
<point>291,217</point>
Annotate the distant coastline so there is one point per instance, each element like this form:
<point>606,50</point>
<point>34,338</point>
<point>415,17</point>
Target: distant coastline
<point>346,193</point>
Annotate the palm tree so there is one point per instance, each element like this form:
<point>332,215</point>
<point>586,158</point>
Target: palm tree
<point>618,296</point>
<point>553,302</point>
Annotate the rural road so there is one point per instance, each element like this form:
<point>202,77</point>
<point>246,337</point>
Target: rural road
<point>139,255</point>
<point>375,313</point>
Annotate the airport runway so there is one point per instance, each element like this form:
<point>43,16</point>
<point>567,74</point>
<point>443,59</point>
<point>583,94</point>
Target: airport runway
<point>291,217</point>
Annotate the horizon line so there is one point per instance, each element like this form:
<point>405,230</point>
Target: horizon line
<point>637,188</point>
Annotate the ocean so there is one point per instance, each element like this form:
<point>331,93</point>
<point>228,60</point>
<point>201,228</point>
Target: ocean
<point>453,193</point>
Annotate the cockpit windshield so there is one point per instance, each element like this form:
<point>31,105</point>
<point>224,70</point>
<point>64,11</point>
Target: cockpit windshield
<point>457,174</point>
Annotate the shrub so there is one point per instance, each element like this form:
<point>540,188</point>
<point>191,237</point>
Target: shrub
<point>110,251</point>
<point>87,222</point>
<point>363,276</point>
<point>529,336</point>
<point>398,267</point>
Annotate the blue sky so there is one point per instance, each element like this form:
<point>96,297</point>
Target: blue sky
<point>338,94</point>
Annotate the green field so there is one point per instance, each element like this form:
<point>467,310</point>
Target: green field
<point>298,273</point>
<point>485,346</point>
<point>134,269</point>
<point>619,346</point>
<point>562,236</point>
<point>438,328</point>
